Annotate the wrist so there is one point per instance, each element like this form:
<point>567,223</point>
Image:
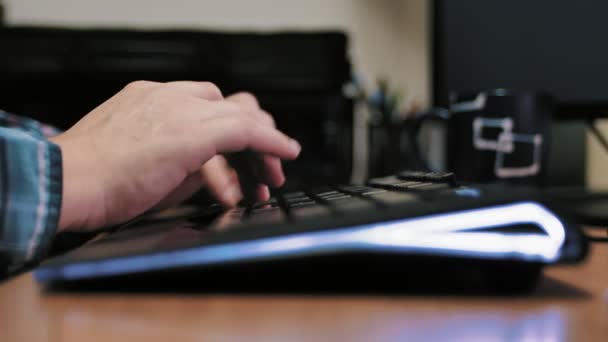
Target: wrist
<point>76,187</point>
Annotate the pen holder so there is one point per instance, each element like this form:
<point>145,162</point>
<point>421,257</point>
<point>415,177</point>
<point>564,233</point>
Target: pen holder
<point>390,149</point>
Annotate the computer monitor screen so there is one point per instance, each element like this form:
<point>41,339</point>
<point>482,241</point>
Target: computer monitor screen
<point>556,46</point>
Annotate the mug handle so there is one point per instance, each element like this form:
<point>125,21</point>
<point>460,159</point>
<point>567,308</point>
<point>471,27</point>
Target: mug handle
<point>414,126</point>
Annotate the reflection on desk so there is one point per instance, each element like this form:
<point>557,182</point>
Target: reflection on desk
<point>547,326</point>
<point>569,305</point>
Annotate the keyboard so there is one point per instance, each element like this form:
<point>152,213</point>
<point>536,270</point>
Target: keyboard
<point>409,216</point>
<point>340,200</point>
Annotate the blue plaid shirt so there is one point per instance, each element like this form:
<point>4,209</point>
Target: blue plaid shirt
<point>30,191</point>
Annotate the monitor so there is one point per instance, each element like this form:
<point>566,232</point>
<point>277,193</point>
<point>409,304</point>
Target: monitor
<point>555,46</point>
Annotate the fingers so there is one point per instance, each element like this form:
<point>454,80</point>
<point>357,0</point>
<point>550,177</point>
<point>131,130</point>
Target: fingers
<point>262,193</point>
<point>185,190</point>
<point>244,98</point>
<point>221,180</point>
<point>254,131</point>
<point>270,171</point>
<point>223,183</point>
<point>237,133</point>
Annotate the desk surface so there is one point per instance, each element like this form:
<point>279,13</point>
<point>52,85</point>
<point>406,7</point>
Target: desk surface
<point>571,304</point>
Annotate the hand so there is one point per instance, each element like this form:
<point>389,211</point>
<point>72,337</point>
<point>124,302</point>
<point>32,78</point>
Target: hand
<point>222,180</point>
<point>152,141</point>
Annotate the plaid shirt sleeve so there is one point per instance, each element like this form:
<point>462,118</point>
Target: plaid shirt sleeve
<point>30,191</point>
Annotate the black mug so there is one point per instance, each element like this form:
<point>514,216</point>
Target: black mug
<point>496,135</point>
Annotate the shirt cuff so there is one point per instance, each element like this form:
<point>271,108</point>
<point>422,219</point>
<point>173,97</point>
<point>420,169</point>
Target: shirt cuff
<point>31,185</point>
<point>41,241</point>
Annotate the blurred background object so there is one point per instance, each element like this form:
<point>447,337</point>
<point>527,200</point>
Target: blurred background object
<point>1,13</point>
<point>405,43</point>
<point>295,56</point>
<point>58,75</point>
<point>388,38</point>
<point>528,46</point>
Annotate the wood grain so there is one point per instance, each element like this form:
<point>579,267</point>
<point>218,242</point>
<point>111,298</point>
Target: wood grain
<point>570,304</point>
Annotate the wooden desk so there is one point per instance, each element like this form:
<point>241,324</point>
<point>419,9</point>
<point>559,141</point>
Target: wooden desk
<point>571,304</point>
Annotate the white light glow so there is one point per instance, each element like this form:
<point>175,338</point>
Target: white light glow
<point>467,233</point>
<point>449,232</point>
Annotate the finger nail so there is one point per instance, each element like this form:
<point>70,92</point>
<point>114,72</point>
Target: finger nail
<point>233,194</point>
<point>295,146</point>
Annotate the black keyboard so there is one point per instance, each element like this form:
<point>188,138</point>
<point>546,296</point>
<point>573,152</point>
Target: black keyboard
<point>408,215</point>
<point>339,200</point>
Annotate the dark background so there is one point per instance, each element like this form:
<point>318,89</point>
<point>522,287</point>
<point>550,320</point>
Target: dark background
<point>58,75</point>
<point>553,46</point>
<point>557,46</point>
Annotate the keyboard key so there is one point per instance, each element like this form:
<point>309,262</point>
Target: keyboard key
<point>336,197</point>
<point>353,204</point>
<point>360,189</point>
<point>266,216</point>
<point>414,185</point>
<point>380,182</point>
<point>266,207</point>
<point>422,186</point>
<point>327,193</point>
<point>292,202</point>
<point>372,191</point>
<point>412,175</point>
<point>267,204</point>
<point>434,187</point>
<point>301,204</point>
<point>228,219</point>
<point>395,184</point>
<point>310,212</point>
<point>406,185</point>
<point>390,197</point>
<point>353,188</point>
<point>293,195</point>
<point>434,177</point>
